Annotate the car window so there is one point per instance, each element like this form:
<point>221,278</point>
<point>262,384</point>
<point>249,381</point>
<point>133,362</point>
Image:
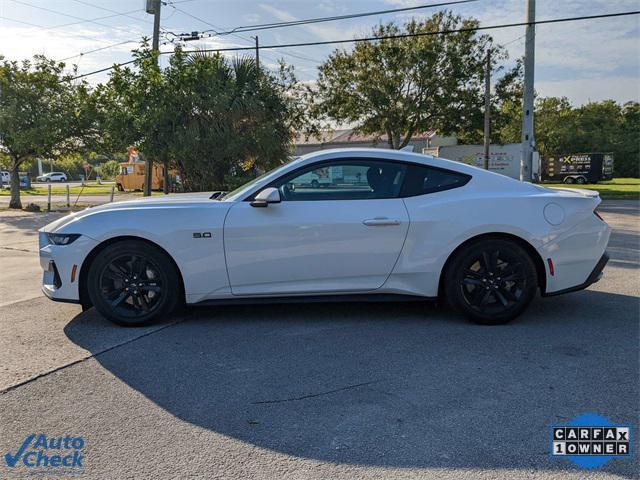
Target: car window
<point>343,180</point>
<point>421,180</point>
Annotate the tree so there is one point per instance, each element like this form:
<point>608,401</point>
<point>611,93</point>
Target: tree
<point>109,170</point>
<point>399,86</point>
<point>210,117</point>
<point>133,107</point>
<point>234,119</point>
<point>42,113</point>
<point>627,155</point>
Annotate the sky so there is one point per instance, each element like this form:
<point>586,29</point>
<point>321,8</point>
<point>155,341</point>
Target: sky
<point>585,61</point>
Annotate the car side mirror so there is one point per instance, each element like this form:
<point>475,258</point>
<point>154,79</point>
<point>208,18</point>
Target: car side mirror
<point>266,196</point>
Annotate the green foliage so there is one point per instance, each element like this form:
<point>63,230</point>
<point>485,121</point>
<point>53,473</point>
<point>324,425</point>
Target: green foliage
<point>594,127</point>
<point>401,86</point>
<point>108,170</point>
<point>43,113</point>
<point>209,117</point>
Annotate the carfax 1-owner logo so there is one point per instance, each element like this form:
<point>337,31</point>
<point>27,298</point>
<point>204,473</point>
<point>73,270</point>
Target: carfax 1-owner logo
<point>591,441</point>
<point>46,454</point>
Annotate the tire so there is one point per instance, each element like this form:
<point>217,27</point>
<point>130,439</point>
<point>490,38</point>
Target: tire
<point>581,180</point>
<point>48,180</point>
<point>315,184</point>
<point>569,180</point>
<point>475,282</point>
<point>133,283</point>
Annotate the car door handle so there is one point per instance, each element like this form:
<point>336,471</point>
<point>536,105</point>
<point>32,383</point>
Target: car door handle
<point>381,222</point>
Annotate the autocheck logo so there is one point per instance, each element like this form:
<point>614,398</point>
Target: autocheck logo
<point>41,454</point>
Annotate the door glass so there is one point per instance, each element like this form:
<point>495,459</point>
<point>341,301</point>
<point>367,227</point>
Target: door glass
<point>347,180</point>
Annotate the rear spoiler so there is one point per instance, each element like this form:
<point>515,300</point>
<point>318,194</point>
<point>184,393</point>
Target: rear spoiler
<point>581,191</point>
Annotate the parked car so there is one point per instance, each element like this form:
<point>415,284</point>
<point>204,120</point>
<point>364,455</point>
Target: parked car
<point>424,228</point>
<point>52,177</point>
<point>5,178</point>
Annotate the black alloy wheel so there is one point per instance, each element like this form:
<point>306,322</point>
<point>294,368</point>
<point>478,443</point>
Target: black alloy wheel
<point>491,281</point>
<point>132,283</point>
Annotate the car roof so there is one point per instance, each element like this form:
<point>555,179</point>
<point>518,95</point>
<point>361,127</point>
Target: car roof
<point>389,155</point>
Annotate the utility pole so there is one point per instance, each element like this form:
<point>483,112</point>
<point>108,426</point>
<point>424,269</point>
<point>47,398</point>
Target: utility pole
<point>487,110</point>
<point>153,6</point>
<point>257,53</point>
<point>528,139</point>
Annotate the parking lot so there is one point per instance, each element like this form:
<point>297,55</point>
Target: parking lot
<point>356,390</point>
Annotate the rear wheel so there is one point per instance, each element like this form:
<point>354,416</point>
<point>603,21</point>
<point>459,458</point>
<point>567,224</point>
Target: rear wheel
<point>491,281</point>
<point>569,180</point>
<point>133,283</point>
<point>581,180</point>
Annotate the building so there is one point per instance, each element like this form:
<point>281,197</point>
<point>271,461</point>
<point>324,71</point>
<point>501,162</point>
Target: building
<point>347,138</point>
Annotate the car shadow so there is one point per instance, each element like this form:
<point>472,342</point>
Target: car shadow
<point>389,384</point>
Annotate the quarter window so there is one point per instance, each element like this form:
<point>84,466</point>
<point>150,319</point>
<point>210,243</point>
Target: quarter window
<point>421,180</point>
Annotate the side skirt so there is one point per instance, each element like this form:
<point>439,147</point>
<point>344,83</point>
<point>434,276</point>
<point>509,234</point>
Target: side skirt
<point>365,297</point>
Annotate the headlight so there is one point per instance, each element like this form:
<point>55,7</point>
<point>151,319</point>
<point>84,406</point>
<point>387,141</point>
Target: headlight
<point>62,238</point>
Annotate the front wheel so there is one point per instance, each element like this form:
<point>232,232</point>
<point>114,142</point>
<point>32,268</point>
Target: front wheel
<point>491,281</point>
<point>133,283</point>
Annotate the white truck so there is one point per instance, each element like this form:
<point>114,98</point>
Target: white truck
<point>322,177</point>
<point>504,159</point>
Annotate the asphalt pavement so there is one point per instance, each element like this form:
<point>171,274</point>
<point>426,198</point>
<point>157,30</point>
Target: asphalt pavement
<point>356,390</point>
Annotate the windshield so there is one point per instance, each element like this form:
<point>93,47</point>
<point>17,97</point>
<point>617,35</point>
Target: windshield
<point>240,191</point>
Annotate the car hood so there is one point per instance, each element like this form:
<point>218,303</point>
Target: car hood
<point>164,201</point>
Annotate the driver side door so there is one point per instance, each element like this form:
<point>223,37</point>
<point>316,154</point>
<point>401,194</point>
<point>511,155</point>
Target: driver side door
<point>339,227</point>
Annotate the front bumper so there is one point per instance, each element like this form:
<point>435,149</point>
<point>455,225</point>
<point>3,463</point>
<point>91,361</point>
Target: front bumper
<point>57,262</point>
<point>594,276</point>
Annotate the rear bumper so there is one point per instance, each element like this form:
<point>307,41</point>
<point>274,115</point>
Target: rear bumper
<point>594,276</point>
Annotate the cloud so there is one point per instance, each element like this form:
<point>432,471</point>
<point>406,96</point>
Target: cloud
<point>251,18</point>
<point>324,31</point>
<point>582,60</point>
<point>583,90</point>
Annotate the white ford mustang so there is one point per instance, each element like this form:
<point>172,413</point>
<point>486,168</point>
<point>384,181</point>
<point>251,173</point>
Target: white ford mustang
<point>336,224</point>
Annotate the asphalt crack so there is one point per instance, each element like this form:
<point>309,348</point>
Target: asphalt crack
<point>18,249</point>
<point>313,395</point>
<point>84,359</point>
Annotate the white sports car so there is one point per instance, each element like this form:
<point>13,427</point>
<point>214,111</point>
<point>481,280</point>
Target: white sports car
<point>388,225</point>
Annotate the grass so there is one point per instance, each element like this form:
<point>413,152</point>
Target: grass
<point>616,189</point>
<point>89,189</point>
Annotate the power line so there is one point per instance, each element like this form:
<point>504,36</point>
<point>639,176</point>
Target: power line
<point>389,37</point>
<point>423,34</point>
<point>123,14</point>
<point>293,23</point>
<point>41,27</point>
<point>83,20</point>
<point>106,69</point>
<point>81,54</point>
<point>293,54</point>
